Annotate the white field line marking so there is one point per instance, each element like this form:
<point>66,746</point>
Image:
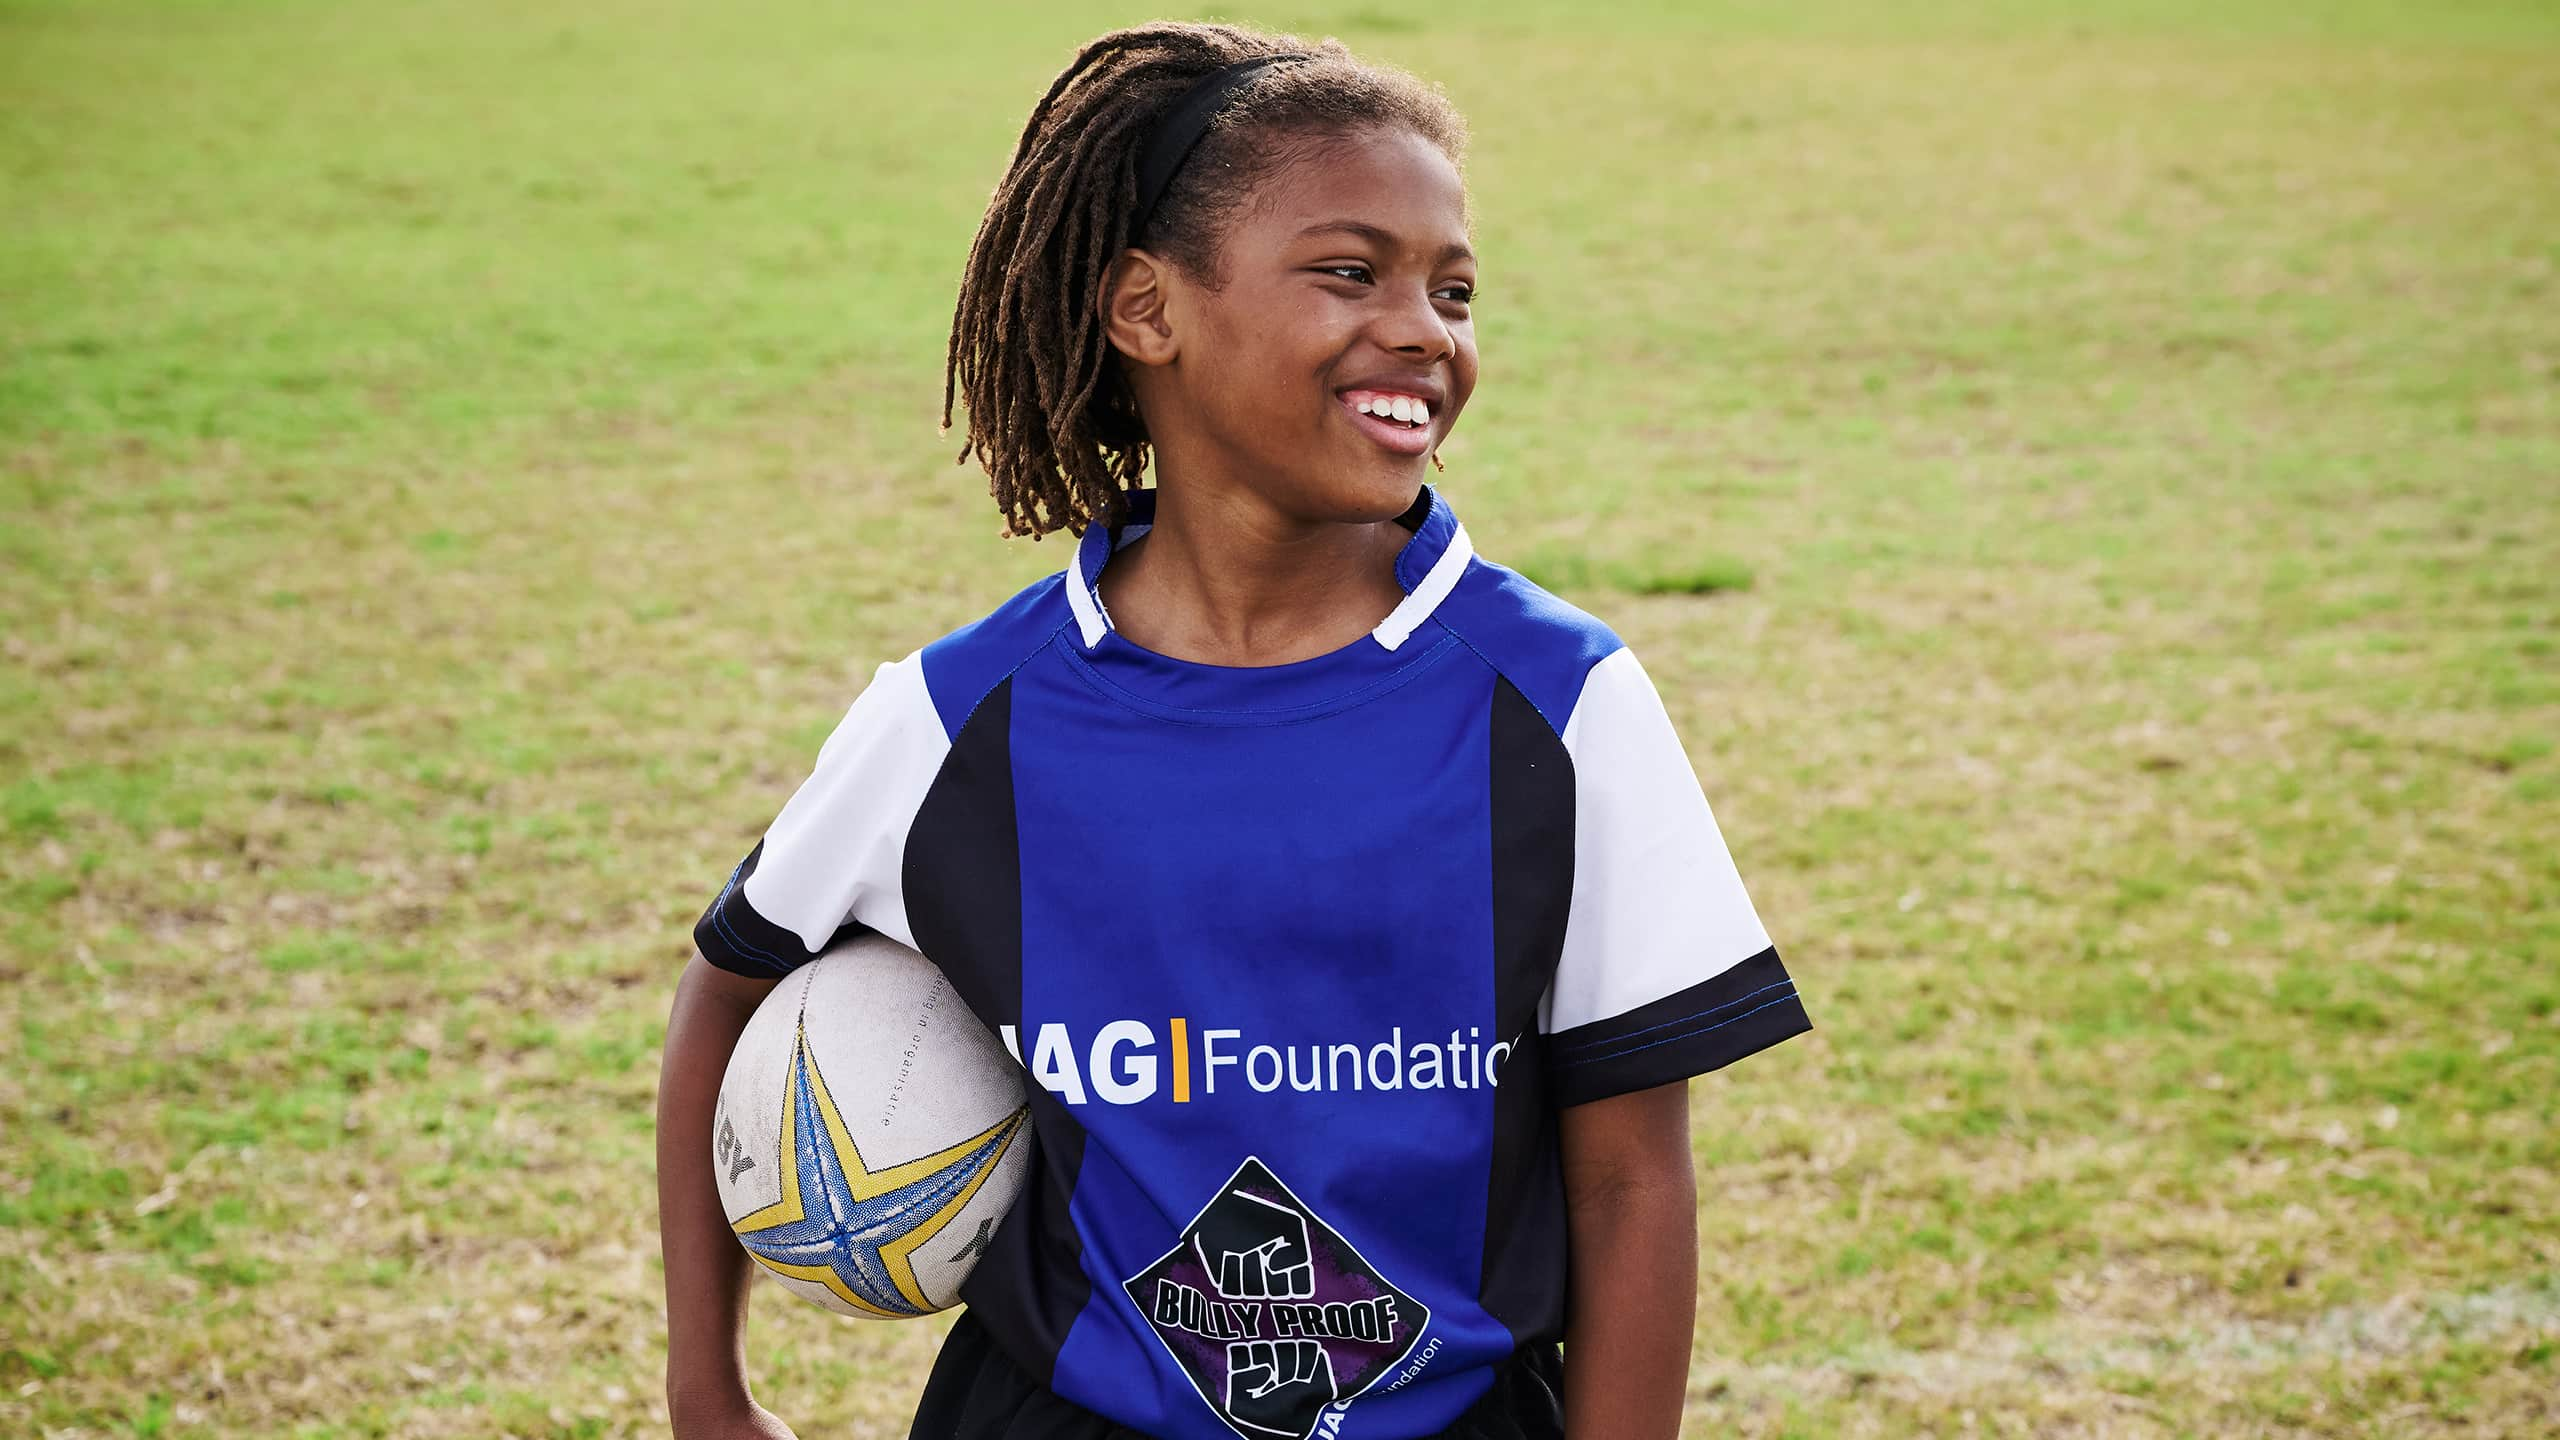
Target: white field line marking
<point>2394,1327</point>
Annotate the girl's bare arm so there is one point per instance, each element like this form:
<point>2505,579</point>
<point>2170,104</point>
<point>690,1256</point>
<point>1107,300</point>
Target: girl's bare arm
<point>1631,1307</point>
<point>707,1270</point>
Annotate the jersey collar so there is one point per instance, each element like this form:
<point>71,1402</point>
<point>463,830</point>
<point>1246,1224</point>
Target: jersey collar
<point>1427,567</point>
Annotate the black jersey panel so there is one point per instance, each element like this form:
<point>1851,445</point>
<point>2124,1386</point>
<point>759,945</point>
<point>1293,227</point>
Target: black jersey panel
<point>963,885</point>
<point>961,872</point>
<point>1523,1279</point>
<point>1707,1026</point>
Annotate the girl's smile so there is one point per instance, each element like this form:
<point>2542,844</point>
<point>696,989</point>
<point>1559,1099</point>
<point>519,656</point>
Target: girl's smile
<point>1401,415</point>
<point>1404,424</point>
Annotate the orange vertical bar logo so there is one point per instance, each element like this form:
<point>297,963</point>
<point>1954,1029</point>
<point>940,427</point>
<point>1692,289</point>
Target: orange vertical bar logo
<point>1181,1061</point>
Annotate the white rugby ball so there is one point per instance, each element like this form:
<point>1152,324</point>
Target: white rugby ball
<point>871,1133</point>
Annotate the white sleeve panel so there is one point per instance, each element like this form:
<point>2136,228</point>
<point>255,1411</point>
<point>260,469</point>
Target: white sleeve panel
<point>834,854</point>
<point>1657,905</point>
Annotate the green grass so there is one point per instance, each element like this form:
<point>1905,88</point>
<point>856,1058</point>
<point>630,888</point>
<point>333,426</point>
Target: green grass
<point>2083,477</point>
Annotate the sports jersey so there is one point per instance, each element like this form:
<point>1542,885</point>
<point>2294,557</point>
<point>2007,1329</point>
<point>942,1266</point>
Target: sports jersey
<point>1300,962</point>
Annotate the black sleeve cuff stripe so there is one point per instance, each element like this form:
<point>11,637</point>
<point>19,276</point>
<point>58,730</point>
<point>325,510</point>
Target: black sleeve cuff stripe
<point>1738,988</point>
<point>1747,1008</point>
<point>733,936</point>
<point>1785,990</point>
<point>1687,1055</point>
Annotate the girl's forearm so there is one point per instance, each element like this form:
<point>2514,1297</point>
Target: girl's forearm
<point>1631,1303</point>
<point>1631,1311</point>
<point>707,1270</point>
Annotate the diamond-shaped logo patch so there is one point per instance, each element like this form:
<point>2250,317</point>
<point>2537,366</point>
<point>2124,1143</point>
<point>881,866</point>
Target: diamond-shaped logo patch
<point>1273,1314</point>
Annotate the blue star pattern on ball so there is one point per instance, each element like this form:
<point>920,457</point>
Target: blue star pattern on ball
<point>848,1227</point>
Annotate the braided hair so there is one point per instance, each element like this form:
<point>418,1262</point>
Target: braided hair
<point>1050,414</point>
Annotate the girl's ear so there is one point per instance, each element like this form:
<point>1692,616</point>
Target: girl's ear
<point>1135,306</point>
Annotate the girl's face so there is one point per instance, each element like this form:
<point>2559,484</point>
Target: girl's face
<point>1348,278</point>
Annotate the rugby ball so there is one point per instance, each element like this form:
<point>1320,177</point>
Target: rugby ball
<point>871,1133</point>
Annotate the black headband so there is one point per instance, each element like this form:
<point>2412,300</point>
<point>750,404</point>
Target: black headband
<point>1181,128</point>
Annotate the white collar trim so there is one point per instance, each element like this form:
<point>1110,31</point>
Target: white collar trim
<point>1093,622</point>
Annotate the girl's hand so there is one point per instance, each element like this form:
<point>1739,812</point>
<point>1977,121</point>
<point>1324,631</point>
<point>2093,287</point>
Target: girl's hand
<point>741,1420</point>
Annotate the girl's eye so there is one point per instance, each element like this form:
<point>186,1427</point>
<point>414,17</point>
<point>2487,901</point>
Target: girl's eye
<point>1466,293</point>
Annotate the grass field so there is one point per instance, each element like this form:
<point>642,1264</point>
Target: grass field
<point>2086,478</point>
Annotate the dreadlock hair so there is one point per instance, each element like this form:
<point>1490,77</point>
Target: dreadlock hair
<point>1051,415</point>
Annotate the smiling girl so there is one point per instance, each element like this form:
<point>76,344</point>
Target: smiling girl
<point>1348,898</point>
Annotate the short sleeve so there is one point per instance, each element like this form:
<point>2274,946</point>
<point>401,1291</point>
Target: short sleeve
<point>1665,971</point>
<point>828,867</point>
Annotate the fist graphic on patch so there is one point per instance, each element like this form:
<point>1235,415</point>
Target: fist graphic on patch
<point>1278,1384</point>
<point>1255,1250</point>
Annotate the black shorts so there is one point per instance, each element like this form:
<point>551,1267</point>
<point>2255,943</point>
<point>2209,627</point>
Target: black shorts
<point>977,1392</point>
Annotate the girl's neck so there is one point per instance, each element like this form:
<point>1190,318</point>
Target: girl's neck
<point>1225,579</point>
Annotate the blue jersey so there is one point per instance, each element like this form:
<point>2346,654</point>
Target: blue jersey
<point>1301,960</point>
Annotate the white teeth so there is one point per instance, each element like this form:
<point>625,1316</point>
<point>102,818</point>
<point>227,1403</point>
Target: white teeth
<point>1403,408</point>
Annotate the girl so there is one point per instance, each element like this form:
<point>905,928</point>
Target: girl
<point>1348,899</point>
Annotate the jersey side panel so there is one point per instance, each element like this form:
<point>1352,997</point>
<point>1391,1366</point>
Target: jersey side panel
<point>1523,1264</point>
<point>963,881</point>
<point>964,886</point>
<point>1543,648</point>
